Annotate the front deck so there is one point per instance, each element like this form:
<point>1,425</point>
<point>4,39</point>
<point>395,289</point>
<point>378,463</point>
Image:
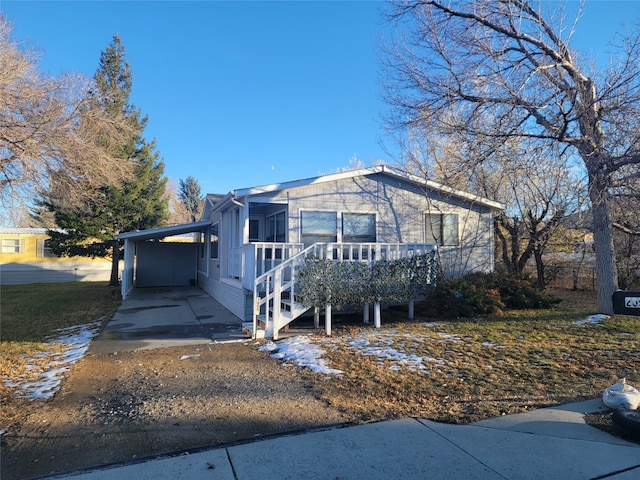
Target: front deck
<point>274,298</point>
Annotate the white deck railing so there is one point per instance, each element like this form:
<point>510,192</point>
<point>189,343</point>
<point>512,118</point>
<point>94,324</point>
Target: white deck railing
<point>274,290</point>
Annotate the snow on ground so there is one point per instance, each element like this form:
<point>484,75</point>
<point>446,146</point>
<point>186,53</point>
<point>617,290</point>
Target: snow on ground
<point>380,344</point>
<point>43,382</point>
<point>389,347</point>
<point>593,320</point>
<point>301,352</point>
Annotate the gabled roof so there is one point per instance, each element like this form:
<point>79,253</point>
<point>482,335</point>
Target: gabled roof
<point>239,195</point>
<point>163,232</point>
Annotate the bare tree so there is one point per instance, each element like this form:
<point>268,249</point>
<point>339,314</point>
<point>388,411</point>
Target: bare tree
<point>627,233</point>
<point>536,186</point>
<point>508,70</point>
<point>48,129</point>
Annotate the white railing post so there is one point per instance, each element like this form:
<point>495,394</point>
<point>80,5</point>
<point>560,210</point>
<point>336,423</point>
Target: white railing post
<point>277,301</point>
<point>376,315</point>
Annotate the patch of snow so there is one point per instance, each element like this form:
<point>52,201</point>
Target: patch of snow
<point>301,352</point>
<point>380,344</point>
<point>593,320</point>
<point>75,342</point>
<point>190,357</point>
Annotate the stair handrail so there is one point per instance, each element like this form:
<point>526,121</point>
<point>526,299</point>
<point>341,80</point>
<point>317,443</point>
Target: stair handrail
<point>277,288</point>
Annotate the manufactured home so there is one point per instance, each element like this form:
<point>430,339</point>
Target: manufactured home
<point>25,257</point>
<point>250,239</point>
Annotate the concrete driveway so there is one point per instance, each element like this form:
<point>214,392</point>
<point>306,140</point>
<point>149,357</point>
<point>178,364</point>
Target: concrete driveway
<point>158,317</point>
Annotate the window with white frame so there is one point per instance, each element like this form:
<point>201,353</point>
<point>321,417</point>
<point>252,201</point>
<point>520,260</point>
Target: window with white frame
<point>318,227</point>
<point>12,245</point>
<point>442,228</point>
<point>358,228</point>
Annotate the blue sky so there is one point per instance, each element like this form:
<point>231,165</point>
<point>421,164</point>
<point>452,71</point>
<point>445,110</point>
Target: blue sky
<point>244,93</point>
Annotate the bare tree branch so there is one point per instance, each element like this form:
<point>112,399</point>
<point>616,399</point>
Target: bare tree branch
<point>48,127</point>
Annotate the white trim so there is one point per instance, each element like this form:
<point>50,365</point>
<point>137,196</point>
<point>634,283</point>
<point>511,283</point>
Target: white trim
<point>165,231</point>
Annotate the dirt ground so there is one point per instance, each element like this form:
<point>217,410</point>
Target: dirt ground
<point>120,407</point>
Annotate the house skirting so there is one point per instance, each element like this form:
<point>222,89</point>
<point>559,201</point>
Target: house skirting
<point>54,272</point>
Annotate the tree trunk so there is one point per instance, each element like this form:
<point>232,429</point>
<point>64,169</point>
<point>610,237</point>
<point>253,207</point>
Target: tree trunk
<point>537,254</point>
<point>606,271</point>
<point>115,263</point>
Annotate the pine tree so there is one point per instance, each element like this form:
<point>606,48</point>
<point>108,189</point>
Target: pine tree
<point>191,196</point>
<point>139,203</point>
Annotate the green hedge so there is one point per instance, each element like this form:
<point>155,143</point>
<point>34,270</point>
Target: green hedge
<point>487,294</point>
<point>353,284</point>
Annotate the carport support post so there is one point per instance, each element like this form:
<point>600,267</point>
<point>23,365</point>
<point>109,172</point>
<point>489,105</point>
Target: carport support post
<point>327,319</point>
<point>376,315</point>
<point>316,317</point>
<point>411,309</point>
<point>366,313</point>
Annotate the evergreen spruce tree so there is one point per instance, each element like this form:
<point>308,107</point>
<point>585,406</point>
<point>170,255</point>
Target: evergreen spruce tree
<point>139,203</point>
<point>191,196</point>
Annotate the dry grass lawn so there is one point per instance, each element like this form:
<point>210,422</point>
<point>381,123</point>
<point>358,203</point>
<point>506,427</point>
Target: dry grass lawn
<point>485,367</point>
<point>31,314</point>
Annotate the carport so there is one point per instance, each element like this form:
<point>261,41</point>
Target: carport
<point>151,263</point>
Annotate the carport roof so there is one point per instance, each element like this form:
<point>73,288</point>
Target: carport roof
<point>162,232</point>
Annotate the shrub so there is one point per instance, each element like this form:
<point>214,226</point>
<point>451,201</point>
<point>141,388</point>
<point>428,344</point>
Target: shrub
<point>487,294</point>
<point>351,284</point>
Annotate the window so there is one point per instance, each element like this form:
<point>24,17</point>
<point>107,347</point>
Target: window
<point>43,247</point>
<point>319,227</point>
<point>12,245</point>
<point>213,240</point>
<point>254,230</point>
<point>358,228</point>
<point>441,228</point>
<point>276,228</point>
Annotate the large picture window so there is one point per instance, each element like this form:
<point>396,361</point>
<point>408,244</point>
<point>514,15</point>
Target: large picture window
<point>319,227</point>
<point>441,228</point>
<point>358,228</point>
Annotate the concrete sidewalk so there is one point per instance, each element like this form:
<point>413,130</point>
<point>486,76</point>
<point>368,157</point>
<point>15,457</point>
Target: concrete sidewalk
<point>544,444</point>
